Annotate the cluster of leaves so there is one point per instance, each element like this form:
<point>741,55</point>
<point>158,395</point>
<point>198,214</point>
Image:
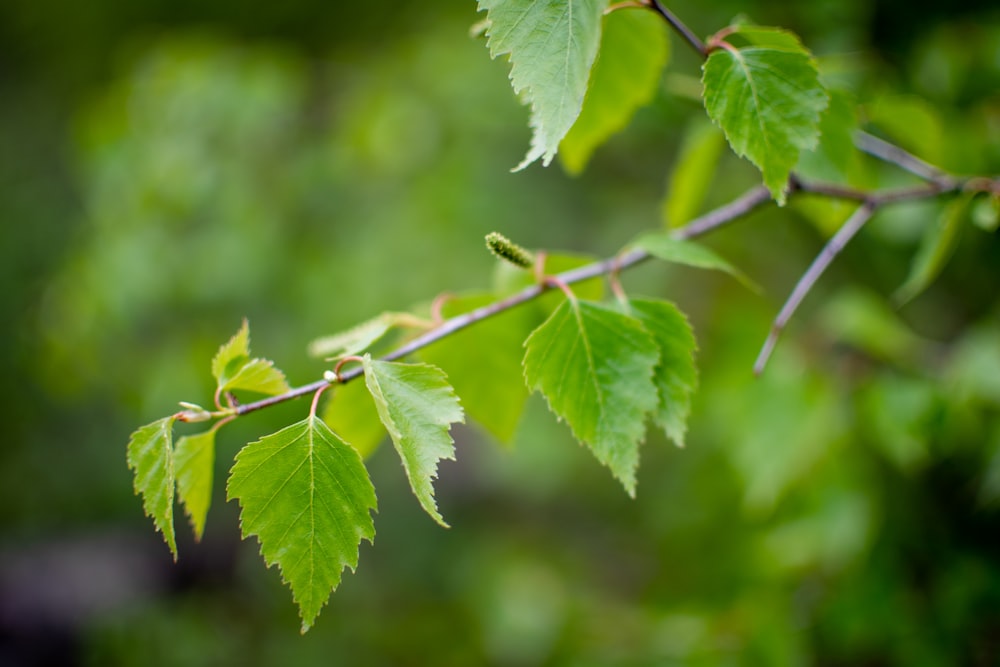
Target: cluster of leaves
<point>606,368</point>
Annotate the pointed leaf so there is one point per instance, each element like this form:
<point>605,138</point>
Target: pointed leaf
<point>552,45</point>
<point>234,369</point>
<point>626,76</point>
<point>768,101</point>
<point>935,249</point>
<point>676,376</point>
<point>306,495</point>
<point>194,462</point>
<point>417,406</point>
<point>482,363</point>
<point>151,458</point>
<point>663,246</point>
<point>358,339</point>
<point>595,368</point>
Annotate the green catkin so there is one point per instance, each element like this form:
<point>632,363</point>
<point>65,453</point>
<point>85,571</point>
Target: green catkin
<point>505,249</point>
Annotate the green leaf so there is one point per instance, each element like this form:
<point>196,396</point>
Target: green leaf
<point>417,406</point>
<point>151,458</point>
<point>358,339</point>
<point>768,101</point>
<point>194,460</point>
<point>912,122</point>
<point>663,246</point>
<point>349,411</point>
<point>696,164</point>
<point>986,212</point>
<point>307,497</point>
<point>676,376</point>
<point>634,51</point>
<point>935,249</point>
<point>595,368</point>
<point>234,369</point>
<point>552,45</point>
<point>482,363</point>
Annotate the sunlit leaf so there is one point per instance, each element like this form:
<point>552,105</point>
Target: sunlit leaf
<point>552,45</point>
<point>676,376</point>
<point>358,339</point>
<point>234,369</point>
<point>194,460</point>
<point>151,458</point>
<point>417,406</point>
<point>307,497</point>
<point>626,76</point>
<point>768,101</point>
<point>595,368</point>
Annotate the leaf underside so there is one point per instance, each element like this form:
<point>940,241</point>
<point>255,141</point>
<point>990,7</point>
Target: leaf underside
<point>306,495</point>
<point>552,45</point>
<point>417,406</point>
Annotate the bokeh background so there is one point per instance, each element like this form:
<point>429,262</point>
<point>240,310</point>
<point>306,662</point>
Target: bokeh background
<point>168,168</point>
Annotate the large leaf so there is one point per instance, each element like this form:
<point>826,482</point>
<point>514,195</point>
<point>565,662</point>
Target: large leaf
<point>194,461</point>
<point>768,101</point>
<point>234,369</point>
<point>676,375</point>
<point>595,368</point>
<point>552,45</point>
<point>417,406</point>
<point>151,458</point>
<point>935,249</point>
<point>626,76</point>
<point>482,363</point>
<point>307,497</point>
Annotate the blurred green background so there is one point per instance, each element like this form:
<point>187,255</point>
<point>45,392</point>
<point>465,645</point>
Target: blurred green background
<point>167,168</point>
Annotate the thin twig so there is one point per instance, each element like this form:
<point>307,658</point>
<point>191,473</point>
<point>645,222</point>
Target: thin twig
<point>857,220</point>
<point>680,28</point>
<point>893,154</point>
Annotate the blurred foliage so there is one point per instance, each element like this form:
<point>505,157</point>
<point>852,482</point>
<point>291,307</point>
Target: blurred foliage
<point>169,168</point>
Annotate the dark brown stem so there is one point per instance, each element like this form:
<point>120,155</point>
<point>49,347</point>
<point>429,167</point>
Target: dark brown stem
<point>680,28</point>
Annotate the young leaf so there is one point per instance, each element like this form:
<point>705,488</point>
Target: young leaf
<point>935,249</point>
<point>417,406</point>
<point>481,363</point>
<point>234,369</point>
<point>696,164</point>
<point>676,376</point>
<point>768,101</point>
<point>634,51</point>
<point>663,246</point>
<point>361,337</point>
<point>151,457</point>
<point>595,368</point>
<point>552,45</point>
<point>194,460</point>
<point>307,497</point>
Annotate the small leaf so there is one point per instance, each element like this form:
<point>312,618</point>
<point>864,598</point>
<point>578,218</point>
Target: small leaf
<point>768,101</point>
<point>350,413</point>
<point>696,164</point>
<point>935,249</point>
<point>676,376</point>
<point>234,369</point>
<point>626,76</point>
<point>194,461</point>
<point>663,246</point>
<point>359,338</point>
<point>417,406</point>
<point>595,368</point>
<point>482,363</point>
<point>151,457</point>
<point>986,213</point>
<point>552,45</point>
<point>306,495</point>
